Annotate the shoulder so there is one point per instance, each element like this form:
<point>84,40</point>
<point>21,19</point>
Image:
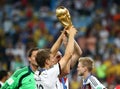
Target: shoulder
<point>95,82</point>
<point>20,72</point>
<point>56,68</point>
<point>92,78</point>
<point>56,65</point>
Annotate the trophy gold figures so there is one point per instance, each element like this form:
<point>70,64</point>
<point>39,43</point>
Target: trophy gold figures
<point>64,17</point>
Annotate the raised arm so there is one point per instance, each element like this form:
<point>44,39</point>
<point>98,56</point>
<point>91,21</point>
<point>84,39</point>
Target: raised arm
<point>57,44</point>
<point>69,48</point>
<point>75,56</point>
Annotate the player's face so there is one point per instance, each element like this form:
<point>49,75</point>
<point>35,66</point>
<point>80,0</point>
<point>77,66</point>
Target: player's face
<point>50,62</point>
<point>32,58</point>
<point>80,69</point>
<point>57,57</point>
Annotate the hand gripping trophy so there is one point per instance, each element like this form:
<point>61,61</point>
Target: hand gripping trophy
<point>63,15</point>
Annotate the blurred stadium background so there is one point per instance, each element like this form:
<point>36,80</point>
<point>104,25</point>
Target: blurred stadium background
<point>30,23</point>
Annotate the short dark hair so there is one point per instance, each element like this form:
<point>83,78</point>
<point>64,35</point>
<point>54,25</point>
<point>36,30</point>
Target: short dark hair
<point>42,56</point>
<point>29,53</point>
<point>3,73</point>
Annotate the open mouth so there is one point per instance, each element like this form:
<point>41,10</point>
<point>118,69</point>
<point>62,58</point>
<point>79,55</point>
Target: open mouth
<point>58,56</point>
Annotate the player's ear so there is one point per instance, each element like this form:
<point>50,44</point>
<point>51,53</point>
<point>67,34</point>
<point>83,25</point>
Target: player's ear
<point>85,68</point>
<point>29,59</point>
<point>47,61</point>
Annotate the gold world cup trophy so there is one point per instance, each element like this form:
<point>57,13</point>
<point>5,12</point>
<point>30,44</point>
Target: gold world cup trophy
<point>63,16</point>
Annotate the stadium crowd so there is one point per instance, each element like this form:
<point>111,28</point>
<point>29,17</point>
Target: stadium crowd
<point>32,23</point>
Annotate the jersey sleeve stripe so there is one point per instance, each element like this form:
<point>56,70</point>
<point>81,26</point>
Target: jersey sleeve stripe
<point>23,76</point>
<point>93,81</point>
<point>20,71</point>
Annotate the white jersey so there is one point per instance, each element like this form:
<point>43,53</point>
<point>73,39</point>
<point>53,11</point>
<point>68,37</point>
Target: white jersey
<point>1,84</point>
<point>48,78</point>
<point>61,84</point>
<point>92,83</point>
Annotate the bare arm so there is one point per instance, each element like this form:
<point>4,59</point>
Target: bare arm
<point>69,49</point>
<point>57,44</point>
<point>76,54</point>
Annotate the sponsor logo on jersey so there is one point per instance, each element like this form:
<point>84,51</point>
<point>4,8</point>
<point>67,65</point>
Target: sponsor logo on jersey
<point>10,81</point>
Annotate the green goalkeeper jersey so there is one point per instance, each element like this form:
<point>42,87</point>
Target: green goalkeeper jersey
<point>21,79</point>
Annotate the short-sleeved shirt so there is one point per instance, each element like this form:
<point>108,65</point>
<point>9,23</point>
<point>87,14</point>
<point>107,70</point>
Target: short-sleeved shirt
<point>47,79</point>
<point>21,79</point>
<point>92,83</point>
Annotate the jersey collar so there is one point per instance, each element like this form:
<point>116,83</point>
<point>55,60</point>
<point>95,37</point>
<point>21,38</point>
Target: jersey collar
<point>30,69</point>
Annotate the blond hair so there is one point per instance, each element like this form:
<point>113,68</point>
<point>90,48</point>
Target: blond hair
<point>87,62</point>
